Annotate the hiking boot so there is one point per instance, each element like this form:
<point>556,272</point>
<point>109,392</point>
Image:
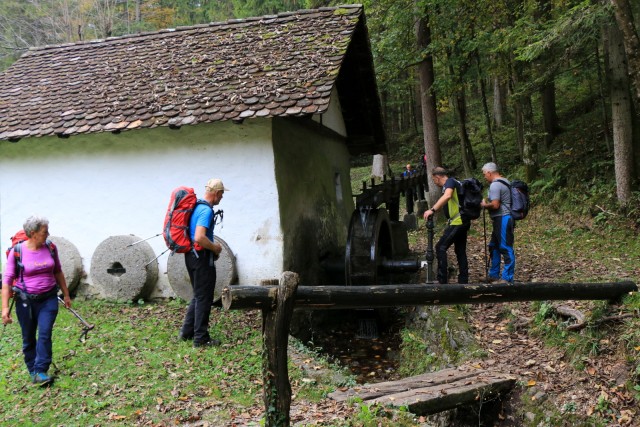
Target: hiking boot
<point>503,282</point>
<point>490,279</point>
<point>183,337</point>
<point>209,343</point>
<point>42,379</point>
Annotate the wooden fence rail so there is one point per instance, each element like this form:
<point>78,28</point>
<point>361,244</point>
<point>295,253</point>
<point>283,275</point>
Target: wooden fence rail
<point>256,297</point>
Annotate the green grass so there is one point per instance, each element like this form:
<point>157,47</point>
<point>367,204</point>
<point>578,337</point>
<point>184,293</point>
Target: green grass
<point>132,369</point>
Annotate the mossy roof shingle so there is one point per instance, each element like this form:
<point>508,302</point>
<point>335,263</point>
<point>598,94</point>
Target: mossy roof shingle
<point>281,65</point>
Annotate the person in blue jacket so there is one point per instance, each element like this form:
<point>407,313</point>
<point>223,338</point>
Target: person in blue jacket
<point>201,267</point>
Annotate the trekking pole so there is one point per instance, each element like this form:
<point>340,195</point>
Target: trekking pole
<point>86,327</point>
<point>145,266</point>
<point>486,258</point>
<point>430,255</point>
<point>140,241</point>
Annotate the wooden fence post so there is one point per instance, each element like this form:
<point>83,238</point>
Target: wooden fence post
<point>276,389</point>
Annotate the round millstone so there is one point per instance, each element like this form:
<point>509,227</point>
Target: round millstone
<point>226,273</point>
<point>123,272</point>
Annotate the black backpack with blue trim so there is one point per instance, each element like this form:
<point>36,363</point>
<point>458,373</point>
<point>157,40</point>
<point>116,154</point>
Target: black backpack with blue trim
<point>469,198</point>
<point>520,202</point>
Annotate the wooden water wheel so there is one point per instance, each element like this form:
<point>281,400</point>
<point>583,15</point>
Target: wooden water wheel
<point>369,243</point>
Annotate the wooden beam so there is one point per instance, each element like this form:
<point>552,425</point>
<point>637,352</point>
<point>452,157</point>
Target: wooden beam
<point>341,297</point>
<point>276,388</point>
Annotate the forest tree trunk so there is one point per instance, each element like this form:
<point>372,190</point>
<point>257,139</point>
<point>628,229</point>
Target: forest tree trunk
<point>138,11</point>
<point>428,103</point>
<point>601,92</point>
<point>530,141</point>
<point>621,116</point>
<point>499,101</point>
<point>549,113</point>
<point>468,158</point>
<point>542,15</point>
<point>485,108</point>
<point>624,18</point>
<point>518,111</point>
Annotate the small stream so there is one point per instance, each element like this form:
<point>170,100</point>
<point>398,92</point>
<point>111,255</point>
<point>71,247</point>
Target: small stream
<point>367,342</point>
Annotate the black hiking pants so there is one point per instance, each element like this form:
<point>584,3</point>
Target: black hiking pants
<point>202,273</point>
<point>455,235</point>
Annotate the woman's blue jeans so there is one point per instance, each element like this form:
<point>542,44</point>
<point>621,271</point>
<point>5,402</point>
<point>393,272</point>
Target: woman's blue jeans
<point>36,319</point>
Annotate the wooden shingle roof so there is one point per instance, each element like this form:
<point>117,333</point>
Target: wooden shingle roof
<point>280,65</point>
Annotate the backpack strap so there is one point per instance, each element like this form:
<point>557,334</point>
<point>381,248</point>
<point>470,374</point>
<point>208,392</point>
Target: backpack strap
<point>455,189</point>
<point>506,184</point>
<point>53,250</point>
<point>211,223</point>
<point>17,256</point>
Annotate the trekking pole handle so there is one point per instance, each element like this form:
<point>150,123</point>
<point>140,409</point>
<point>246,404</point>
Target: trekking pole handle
<point>87,326</point>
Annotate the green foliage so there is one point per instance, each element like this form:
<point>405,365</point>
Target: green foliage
<point>543,313</point>
<point>380,416</point>
<point>417,354</point>
<point>577,27</point>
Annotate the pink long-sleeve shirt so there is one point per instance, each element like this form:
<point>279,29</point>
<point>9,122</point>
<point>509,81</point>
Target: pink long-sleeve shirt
<point>39,270</point>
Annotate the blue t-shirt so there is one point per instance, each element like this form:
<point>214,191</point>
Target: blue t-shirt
<point>203,216</point>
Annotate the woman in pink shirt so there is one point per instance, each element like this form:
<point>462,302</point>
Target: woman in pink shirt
<point>35,283</point>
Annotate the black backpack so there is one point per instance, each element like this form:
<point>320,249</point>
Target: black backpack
<point>470,197</point>
<point>519,198</point>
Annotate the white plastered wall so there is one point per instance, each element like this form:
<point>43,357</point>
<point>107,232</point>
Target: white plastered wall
<point>94,186</point>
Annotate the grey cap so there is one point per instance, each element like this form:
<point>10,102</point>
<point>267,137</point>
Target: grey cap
<point>490,167</point>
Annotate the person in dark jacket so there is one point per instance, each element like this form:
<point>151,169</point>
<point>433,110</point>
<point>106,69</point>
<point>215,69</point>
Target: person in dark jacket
<point>455,233</point>
<point>409,192</point>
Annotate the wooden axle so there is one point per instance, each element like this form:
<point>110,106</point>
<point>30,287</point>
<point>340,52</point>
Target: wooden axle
<point>340,297</point>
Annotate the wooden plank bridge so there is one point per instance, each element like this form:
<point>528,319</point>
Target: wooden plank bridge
<point>433,392</point>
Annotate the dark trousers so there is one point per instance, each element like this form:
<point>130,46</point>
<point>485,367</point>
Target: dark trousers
<point>36,318</point>
<point>409,194</point>
<point>202,273</point>
<point>453,235</point>
<point>501,245</point>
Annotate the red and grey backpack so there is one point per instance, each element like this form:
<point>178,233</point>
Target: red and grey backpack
<point>176,221</point>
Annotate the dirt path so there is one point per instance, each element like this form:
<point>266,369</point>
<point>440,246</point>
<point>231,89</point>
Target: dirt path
<point>545,373</point>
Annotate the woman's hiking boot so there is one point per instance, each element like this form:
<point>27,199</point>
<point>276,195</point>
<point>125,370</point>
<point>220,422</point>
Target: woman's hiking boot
<point>41,379</point>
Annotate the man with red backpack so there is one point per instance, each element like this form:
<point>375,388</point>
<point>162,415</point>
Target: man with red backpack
<point>201,268</point>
